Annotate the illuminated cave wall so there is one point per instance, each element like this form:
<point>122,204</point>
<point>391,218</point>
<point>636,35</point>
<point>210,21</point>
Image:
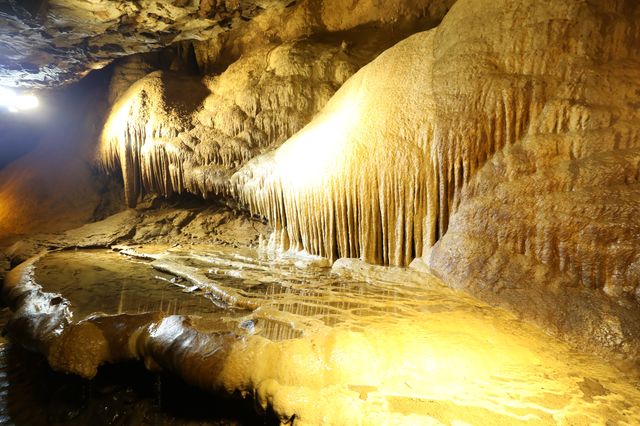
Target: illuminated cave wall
<point>506,156</point>
<point>552,96</point>
<point>562,197</point>
<point>509,140</point>
<point>174,133</point>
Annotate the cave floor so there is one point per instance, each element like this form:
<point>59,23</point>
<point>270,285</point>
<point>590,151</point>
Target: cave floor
<point>352,342</point>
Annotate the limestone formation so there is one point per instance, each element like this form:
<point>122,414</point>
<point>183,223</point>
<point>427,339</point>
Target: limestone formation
<point>524,137</point>
<point>353,183</point>
<point>557,206</point>
<point>564,191</point>
<point>498,151</point>
<point>461,99</point>
<point>170,133</point>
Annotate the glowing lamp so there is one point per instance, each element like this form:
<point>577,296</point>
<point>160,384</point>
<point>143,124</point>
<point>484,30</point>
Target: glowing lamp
<point>15,102</point>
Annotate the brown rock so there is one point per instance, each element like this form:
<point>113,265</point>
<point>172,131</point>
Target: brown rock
<point>79,350</point>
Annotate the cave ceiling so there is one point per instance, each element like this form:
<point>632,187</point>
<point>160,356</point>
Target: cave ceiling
<point>49,43</point>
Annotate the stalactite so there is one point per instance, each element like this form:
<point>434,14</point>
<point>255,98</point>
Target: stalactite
<point>164,125</point>
<point>446,129</point>
<point>338,190</point>
<point>382,183</point>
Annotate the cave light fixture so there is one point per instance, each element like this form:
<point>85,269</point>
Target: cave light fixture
<point>16,102</point>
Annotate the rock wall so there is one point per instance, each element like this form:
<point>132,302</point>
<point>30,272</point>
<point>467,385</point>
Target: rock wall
<point>512,148</point>
<point>564,189</point>
<point>549,226</point>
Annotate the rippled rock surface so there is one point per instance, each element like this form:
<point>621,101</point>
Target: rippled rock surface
<point>351,344</point>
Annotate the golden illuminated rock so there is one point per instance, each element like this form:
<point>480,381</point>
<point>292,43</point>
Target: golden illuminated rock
<point>525,137</point>
<point>556,209</point>
<point>498,151</point>
<point>353,183</point>
<point>170,133</point>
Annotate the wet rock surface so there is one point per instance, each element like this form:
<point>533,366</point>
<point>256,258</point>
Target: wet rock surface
<point>154,221</point>
<point>367,344</point>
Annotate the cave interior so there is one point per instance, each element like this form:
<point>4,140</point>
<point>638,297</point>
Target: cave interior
<point>320,212</point>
